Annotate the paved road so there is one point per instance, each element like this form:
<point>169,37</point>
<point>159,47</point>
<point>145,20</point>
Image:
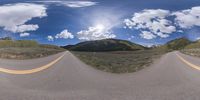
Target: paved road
<point>168,78</point>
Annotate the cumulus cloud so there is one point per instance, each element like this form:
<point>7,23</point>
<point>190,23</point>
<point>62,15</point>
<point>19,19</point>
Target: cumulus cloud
<point>14,16</point>
<point>188,18</point>
<point>77,4</point>
<point>65,35</point>
<point>72,4</point>
<point>156,22</point>
<point>147,35</point>
<point>23,28</point>
<point>24,34</point>
<point>152,20</point>
<point>50,38</point>
<point>95,33</point>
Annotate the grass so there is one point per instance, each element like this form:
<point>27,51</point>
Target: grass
<point>26,49</point>
<point>27,52</point>
<point>192,52</point>
<point>119,61</point>
<point>18,43</point>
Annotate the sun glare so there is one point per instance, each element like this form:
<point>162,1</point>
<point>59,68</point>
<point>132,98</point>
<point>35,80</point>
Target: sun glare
<point>100,27</point>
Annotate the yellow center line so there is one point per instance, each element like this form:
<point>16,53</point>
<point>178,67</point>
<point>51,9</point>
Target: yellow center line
<point>31,71</point>
<point>188,63</point>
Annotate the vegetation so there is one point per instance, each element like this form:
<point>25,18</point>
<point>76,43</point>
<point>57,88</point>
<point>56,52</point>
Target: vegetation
<point>25,49</point>
<point>123,45</point>
<point>19,43</point>
<point>192,52</point>
<point>110,55</point>
<point>6,38</point>
<point>125,56</point>
<point>27,52</point>
<point>120,61</point>
<point>193,45</point>
<point>105,45</point>
<point>192,49</point>
<point>116,56</point>
<point>178,44</point>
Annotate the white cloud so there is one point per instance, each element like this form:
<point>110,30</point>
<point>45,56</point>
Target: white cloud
<point>180,31</point>
<point>14,16</point>
<point>65,35</point>
<point>188,18</point>
<point>95,33</point>
<point>50,38</point>
<point>24,34</point>
<point>147,35</point>
<point>72,4</point>
<point>77,4</point>
<point>152,20</point>
<point>23,28</point>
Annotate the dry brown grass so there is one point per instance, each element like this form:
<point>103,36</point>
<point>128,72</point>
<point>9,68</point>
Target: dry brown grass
<point>120,61</point>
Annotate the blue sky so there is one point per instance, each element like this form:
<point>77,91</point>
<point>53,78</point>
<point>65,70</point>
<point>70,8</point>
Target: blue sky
<point>62,22</point>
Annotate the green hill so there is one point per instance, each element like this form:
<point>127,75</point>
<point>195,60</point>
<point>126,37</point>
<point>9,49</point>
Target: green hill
<point>193,45</point>
<point>105,45</point>
<point>178,44</point>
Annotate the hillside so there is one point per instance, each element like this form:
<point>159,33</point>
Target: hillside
<point>18,43</point>
<point>26,49</point>
<point>105,45</point>
<point>177,44</point>
<point>193,45</point>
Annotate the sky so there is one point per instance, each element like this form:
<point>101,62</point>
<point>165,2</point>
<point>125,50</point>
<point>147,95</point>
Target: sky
<point>64,22</point>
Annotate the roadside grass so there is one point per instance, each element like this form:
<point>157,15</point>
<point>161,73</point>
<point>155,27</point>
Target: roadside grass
<point>18,43</point>
<point>192,52</point>
<point>27,52</point>
<point>120,61</point>
<point>26,49</point>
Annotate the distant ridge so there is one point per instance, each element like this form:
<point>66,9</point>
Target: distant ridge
<point>105,45</point>
<point>124,45</point>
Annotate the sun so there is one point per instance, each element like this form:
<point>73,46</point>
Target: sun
<point>100,27</point>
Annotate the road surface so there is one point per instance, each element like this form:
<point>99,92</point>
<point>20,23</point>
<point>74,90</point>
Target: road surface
<point>169,78</point>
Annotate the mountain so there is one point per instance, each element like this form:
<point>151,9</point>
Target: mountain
<point>67,46</point>
<point>123,45</point>
<point>105,45</point>
<point>178,44</point>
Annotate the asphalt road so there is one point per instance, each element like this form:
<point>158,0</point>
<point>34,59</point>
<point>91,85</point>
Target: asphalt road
<point>169,78</point>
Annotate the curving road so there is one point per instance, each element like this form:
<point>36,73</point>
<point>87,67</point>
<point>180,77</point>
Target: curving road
<point>169,78</point>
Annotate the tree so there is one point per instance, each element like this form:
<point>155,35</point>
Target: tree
<point>6,38</point>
